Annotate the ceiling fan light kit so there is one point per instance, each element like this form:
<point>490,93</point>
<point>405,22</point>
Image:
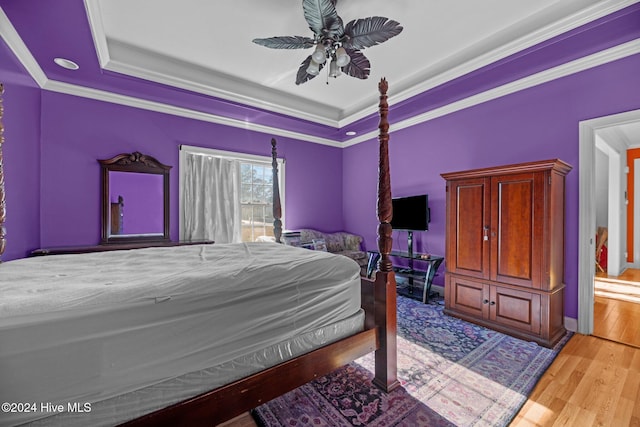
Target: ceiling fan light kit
<point>340,45</point>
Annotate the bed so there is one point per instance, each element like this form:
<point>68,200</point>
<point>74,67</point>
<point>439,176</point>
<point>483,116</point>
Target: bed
<point>188,335</point>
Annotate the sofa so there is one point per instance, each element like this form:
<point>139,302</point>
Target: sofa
<point>341,242</point>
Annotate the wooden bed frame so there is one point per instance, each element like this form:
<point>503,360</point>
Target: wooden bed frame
<point>378,301</point>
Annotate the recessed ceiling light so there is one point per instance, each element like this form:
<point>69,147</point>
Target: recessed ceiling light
<point>350,133</point>
<point>66,63</point>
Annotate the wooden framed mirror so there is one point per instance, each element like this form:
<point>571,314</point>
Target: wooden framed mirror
<point>135,199</point>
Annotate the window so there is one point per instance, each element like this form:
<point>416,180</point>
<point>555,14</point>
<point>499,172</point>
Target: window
<point>256,188</point>
<point>256,200</point>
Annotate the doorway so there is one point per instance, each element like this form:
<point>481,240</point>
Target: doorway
<point>589,141</point>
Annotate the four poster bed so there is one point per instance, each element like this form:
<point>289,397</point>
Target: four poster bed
<point>120,356</point>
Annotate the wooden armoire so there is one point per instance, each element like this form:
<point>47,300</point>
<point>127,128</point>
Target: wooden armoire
<point>505,248</point>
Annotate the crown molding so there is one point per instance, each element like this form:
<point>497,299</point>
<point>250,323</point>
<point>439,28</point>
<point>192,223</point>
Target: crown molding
<point>97,31</point>
<point>235,90</point>
<point>585,63</point>
<point>20,50</point>
<point>15,43</point>
<point>569,23</point>
<point>22,53</point>
<point>129,101</point>
<point>256,97</point>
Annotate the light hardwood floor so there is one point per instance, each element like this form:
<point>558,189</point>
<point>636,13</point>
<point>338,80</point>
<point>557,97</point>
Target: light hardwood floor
<point>617,320</point>
<point>617,315</point>
<point>594,381</point>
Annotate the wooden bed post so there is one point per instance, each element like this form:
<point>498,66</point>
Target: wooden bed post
<point>3,231</point>
<point>277,208</point>
<point>385,282</point>
<point>379,334</point>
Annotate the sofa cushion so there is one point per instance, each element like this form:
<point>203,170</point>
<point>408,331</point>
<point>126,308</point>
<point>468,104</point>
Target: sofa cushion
<point>319,245</point>
<point>335,242</point>
<point>340,242</point>
<point>351,242</point>
<point>308,235</point>
<point>359,256</point>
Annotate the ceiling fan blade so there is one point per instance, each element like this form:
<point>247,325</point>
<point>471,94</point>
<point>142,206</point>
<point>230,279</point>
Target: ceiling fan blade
<point>359,66</point>
<point>285,42</point>
<point>303,76</point>
<point>367,32</point>
<point>322,17</point>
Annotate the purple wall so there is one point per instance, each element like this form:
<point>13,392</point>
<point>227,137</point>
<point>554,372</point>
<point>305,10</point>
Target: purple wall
<point>62,26</point>
<point>534,124</point>
<point>21,156</point>
<point>52,177</point>
<point>77,131</point>
<point>53,141</point>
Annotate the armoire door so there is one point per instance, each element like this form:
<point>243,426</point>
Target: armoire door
<point>467,296</point>
<point>516,309</point>
<point>468,227</point>
<point>517,221</point>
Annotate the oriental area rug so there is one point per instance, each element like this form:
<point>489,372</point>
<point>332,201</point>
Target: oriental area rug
<point>453,373</point>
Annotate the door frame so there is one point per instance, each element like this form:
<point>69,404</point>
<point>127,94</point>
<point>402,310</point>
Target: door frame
<point>587,216</point>
<point>617,229</point>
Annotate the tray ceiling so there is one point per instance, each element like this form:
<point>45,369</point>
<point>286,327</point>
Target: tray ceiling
<point>206,47</point>
<point>196,57</point>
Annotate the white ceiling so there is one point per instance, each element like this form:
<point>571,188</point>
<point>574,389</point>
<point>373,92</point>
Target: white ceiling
<point>205,46</point>
<point>627,134</point>
<point>631,132</point>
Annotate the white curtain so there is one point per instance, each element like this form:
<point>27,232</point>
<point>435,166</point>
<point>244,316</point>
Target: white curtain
<point>211,199</point>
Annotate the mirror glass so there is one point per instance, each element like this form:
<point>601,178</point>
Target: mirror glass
<point>136,203</point>
<point>135,199</point>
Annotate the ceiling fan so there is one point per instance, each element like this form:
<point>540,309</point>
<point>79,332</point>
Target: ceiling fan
<point>339,45</point>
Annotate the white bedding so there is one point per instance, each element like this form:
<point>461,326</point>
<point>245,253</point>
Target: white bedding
<point>128,406</point>
<point>85,328</point>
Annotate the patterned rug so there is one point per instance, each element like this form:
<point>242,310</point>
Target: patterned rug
<point>453,373</point>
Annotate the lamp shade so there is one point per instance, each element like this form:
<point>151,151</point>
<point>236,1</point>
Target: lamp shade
<point>342,58</point>
<point>334,70</point>
<point>319,55</point>
<point>313,68</point>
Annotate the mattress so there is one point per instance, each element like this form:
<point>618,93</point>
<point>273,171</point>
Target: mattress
<point>84,328</point>
<point>128,406</point>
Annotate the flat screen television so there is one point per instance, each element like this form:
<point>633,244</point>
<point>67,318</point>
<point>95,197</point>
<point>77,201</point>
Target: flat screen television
<point>411,213</point>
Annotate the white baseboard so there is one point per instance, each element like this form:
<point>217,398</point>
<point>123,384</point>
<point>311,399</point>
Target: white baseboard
<point>571,324</point>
